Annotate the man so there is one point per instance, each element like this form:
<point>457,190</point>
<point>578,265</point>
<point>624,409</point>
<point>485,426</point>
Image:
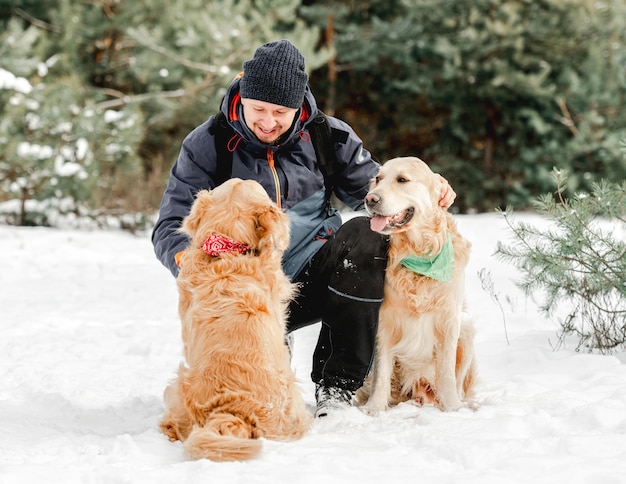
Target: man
<point>339,268</point>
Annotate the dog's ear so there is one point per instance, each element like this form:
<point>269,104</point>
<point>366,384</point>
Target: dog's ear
<point>200,206</point>
<point>272,229</point>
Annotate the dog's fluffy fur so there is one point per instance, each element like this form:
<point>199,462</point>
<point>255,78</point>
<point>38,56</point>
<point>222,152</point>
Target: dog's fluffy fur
<point>236,384</point>
<point>425,339</point>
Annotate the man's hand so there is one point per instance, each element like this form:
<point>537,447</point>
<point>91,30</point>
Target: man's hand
<point>446,193</point>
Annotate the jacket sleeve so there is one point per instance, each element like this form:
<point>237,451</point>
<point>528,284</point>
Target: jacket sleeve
<point>191,173</point>
<point>355,169</point>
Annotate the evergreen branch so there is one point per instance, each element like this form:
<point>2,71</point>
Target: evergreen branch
<point>200,66</point>
<point>589,297</point>
<point>36,22</point>
<point>560,178</point>
<point>585,231</point>
<point>139,98</point>
<point>518,233</point>
<point>591,267</point>
<point>567,119</point>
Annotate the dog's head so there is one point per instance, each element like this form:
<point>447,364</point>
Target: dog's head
<point>242,211</point>
<point>403,194</point>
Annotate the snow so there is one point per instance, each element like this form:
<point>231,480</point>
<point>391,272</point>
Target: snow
<point>89,337</point>
<point>10,81</point>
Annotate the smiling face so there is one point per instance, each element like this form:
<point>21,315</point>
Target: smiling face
<point>266,120</point>
<point>403,189</point>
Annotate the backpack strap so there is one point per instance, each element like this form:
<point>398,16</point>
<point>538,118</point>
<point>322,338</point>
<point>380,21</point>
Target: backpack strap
<point>222,132</point>
<point>323,139</point>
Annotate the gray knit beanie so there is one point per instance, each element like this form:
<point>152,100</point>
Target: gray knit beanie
<point>275,75</point>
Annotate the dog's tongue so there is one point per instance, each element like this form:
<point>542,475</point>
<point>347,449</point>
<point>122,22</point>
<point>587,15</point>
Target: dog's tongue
<point>378,223</point>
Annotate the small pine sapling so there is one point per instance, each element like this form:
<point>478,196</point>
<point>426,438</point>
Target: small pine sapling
<point>578,263</point>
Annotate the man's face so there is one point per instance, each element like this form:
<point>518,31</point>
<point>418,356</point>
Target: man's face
<point>266,120</point>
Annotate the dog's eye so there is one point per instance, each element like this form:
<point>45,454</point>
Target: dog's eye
<point>377,180</point>
<point>401,179</point>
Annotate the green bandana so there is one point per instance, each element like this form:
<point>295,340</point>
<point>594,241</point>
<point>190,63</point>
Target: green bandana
<point>438,267</point>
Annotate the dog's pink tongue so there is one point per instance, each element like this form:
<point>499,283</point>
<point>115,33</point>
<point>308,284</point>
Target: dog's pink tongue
<point>378,223</point>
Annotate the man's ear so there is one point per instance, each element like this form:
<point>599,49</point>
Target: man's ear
<point>200,206</point>
<point>272,229</point>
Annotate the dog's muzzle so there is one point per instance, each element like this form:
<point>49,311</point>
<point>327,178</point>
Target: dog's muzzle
<point>379,221</point>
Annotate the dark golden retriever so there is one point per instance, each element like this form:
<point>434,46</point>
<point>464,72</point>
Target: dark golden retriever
<point>236,384</point>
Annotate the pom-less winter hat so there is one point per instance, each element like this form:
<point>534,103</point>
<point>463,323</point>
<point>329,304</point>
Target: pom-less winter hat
<point>275,75</point>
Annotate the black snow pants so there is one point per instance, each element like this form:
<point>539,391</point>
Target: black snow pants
<point>343,287</point>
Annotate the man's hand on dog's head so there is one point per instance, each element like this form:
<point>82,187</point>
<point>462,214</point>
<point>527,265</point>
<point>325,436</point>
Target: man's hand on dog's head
<point>446,193</point>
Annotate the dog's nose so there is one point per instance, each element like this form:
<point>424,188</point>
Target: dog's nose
<point>372,199</point>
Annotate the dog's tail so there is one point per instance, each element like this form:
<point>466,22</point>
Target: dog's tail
<point>224,437</point>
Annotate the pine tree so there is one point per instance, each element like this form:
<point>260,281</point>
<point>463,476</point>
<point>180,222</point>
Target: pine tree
<point>57,146</point>
<point>579,264</point>
<point>175,58</point>
<point>113,88</point>
<point>492,93</point>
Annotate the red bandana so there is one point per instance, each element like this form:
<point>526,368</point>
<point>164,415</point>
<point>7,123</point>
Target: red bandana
<point>217,244</point>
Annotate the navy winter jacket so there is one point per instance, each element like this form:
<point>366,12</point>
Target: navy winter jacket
<point>300,182</point>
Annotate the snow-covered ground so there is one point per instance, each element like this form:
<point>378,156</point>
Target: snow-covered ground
<point>89,337</point>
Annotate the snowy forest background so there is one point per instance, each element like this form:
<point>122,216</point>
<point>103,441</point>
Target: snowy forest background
<point>96,96</point>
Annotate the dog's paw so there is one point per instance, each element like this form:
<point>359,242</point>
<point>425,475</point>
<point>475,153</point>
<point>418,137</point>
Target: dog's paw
<point>170,429</point>
<point>451,405</point>
<point>372,408</point>
<point>471,405</point>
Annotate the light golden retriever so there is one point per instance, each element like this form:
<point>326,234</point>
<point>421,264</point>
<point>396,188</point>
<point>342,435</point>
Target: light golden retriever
<point>425,339</point>
<point>236,384</point>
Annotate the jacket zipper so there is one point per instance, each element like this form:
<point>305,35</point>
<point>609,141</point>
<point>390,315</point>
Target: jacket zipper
<point>270,161</point>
